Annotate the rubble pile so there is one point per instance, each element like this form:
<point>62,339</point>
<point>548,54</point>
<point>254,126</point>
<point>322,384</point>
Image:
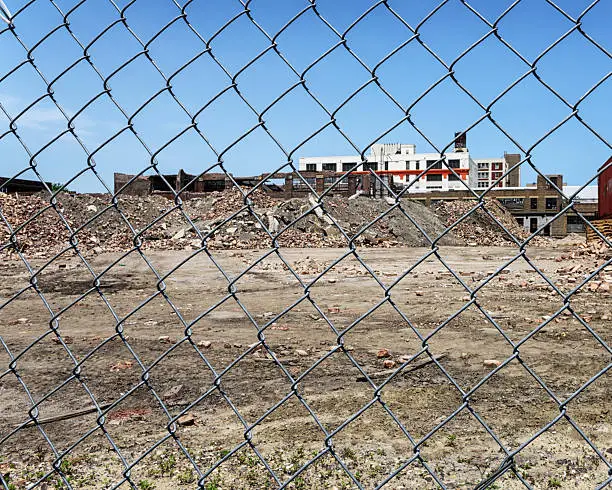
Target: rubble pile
<point>225,220</point>
<point>479,228</point>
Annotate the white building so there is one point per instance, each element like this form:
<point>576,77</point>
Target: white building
<point>406,165</point>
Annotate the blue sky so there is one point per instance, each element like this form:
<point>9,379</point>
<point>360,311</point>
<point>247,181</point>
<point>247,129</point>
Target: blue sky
<point>526,112</point>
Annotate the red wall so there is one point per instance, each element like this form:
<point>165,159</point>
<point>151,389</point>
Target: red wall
<point>605,191</point>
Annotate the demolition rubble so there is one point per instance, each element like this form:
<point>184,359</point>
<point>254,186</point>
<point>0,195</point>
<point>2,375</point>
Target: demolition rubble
<point>228,220</point>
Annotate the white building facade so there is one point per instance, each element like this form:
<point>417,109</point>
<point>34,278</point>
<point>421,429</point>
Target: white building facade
<point>406,165</point>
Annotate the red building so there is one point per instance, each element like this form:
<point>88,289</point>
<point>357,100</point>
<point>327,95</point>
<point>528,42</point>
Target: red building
<point>605,190</point>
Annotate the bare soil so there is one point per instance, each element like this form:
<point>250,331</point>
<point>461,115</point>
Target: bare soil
<point>271,367</point>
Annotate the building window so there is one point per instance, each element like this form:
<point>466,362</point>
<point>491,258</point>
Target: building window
<point>551,203</point>
<point>520,221</point>
<point>454,163</point>
<point>453,177</point>
<point>370,166</point>
<point>497,165</point>
<point>483,175</point>
<point>417,165</point>
<point>497,175</point>
<point>534,203</point>
<point>348,166</point>
<point>483,166</point>
<point>311,167</point>
<point>329,166</point>
<point>483,184</point>
<point>434,178</point>
<point>433,164</point>
<point>434,187</point>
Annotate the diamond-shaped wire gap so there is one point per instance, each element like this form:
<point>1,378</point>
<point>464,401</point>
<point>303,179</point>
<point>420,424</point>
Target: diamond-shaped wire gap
<point>589,112</point>
<point>486,87</point>
<point>139,72</point>
<point>38,120</point>
<point>136,414</point>
<point>225,119</point>
<point>466,112</point>
<point>268,289</point>
<point>462,451</point>
<point>548,157</point>
<point>241,466</point>
<point>452,22</point>
<point>561,455</point>
<point>592,25</point>
<point>290,131</point>
<point>590,67</point>
<point>324,470</point>
<point>124,147</point>
<point>342,18</point>
<point>533,39</point>
<point>576,354</point>
<point>573,9</point>
<point>475,337</point>
<point>288,437</point>
<point>37,452</point>
<point>148,19</point>
<point>267,79</point>
<point>402,83</point>
<point>256,150</point>
<point>365,43</point>
<point>252,43</point>
<point>212,80</point>
<point>162,120</point>
<point>272,17</point>
<point>87,20</point>
<point>371,445</point>
<point>42,15</point>
<point>113,49</point>
<point>300,55</point>
<point>56,54</point>
<point>529,96</point>
<point>512,404</point>
<point>382,341</point>
<point>490,11</point>
<point>207,21</point>
<point>587,411</point>
<point>517,297</point>
<point>55,410</point>
<point>384,115</point>
<point>167,463</point>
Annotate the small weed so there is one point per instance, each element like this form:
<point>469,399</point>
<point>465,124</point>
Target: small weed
<point>451,440</point>
<point>224,452</point>
<point>348,453</point>
<point>66,467</point>
<point>146,485</point>
<point>214,484</point>
<point>186,477</point>
<point>554,482</point>
<point>167,464</point>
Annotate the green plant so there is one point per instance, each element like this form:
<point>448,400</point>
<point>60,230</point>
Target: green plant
<point>146,485</point>
<point>66,467</point>
<point>224,452</point>
<point>451,440</point>
<point>167,464</point>
<point>186,476</point>
<point>554,482</point>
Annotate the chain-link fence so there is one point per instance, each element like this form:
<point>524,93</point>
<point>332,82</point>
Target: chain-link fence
<point>211,331</point>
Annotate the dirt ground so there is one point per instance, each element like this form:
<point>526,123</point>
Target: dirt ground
<point>183,341</point>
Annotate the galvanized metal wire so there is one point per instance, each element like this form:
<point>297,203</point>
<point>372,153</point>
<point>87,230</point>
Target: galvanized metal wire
<point>13,29</point>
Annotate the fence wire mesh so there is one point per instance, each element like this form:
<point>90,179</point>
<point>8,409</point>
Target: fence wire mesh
<point>174,410</point>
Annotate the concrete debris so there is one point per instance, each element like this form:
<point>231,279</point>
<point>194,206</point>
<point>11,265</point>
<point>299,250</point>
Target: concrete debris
<point>304,222</point>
